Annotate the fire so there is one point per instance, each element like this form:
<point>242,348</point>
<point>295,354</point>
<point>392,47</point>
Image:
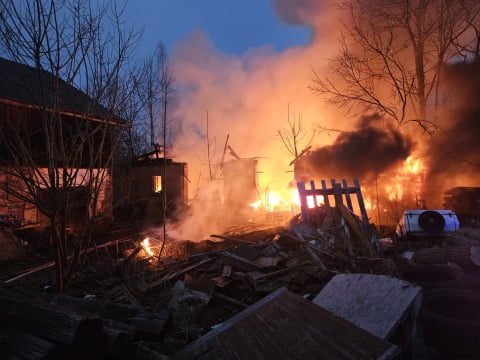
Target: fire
<point>146,246</point>
<point>256,204</point>
<point>412,165</point>
<point>275,201</point>
<point>310,200</point>
<point>315,202</point>
<point>398,186</point>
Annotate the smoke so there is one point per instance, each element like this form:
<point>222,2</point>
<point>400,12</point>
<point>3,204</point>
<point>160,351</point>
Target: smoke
<point>364,153</point>
<point>453,156</point>
<point>247,99</point>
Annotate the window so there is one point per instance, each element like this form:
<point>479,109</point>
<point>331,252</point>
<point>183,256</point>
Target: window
<point>157,184</point>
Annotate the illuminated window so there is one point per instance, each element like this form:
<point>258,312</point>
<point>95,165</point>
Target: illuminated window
<point>157,184</point>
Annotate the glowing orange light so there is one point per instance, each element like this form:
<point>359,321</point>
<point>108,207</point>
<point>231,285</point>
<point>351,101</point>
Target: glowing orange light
<point>295,197</point>
<point>146,246</point>
<point>412,166</point>
<point>256,204</point>
<point>312,203</point>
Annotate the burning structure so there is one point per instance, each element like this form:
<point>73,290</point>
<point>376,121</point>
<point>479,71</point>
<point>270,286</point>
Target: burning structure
<point>157,183</point>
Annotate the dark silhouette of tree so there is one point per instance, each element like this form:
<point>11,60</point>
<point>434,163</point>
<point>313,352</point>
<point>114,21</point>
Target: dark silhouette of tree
<point>67,43</point>
<point>392,54</point>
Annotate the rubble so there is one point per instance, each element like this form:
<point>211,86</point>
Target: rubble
<point>284,325</point>
<point>143,307</point>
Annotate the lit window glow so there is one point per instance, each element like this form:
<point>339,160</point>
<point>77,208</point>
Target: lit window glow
<point>157,184</point>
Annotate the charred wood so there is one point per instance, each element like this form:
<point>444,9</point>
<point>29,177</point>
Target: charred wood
<point>314,257</point>
<point>170,276</point>
<point>55,324</point>
<point>22,345</point>
<point>353,224</point>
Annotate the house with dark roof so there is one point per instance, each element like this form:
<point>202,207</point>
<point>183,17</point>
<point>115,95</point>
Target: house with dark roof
<point>28,96</point>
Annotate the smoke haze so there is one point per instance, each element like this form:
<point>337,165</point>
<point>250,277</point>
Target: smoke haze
<point>247,99</point>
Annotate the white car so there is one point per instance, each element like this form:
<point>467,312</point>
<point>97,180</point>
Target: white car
<point>426,222</point>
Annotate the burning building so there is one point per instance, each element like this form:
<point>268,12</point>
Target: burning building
<point>157,183</point>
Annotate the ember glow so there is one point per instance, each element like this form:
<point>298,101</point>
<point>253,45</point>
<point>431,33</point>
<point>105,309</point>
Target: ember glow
<point>146,247</point>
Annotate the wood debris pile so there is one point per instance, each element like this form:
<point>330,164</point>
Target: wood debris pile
<point>129,303</point>
<point>130,306</point>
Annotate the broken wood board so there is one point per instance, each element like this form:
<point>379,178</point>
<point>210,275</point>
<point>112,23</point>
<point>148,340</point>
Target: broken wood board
<point>375,303</point>
<point>364,242</point>
<point>171,276</point>
<point>239,262</point>
<point>284,325</point>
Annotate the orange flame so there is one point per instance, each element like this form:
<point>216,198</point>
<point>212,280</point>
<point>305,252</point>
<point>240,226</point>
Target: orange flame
<point>412,165</point>
<point>146,246</point>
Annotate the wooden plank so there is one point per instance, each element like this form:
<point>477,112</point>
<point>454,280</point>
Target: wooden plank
<point>347,195</point>
<point>361,203</point>
<point>303,201</point>
<point>121,321</point>
<point>365,243</point>
<point>284,325</point>
<point>286,270</point>
<point>314,257</point>
<point>233,239</point>
<point>326,200</point>
<point>171,276</point>
<point>239,262</point>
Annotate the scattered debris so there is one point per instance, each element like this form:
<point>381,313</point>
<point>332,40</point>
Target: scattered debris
<point>284,325</point>
<point>144,307</point>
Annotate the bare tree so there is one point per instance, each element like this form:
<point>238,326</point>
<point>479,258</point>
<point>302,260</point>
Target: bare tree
<point>294,138</point>
<point>67,44</point>
<point>391,56</point>
<point>166,91</point>
<point>157,93</point>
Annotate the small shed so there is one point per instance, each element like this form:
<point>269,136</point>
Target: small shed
<point>155,178</point>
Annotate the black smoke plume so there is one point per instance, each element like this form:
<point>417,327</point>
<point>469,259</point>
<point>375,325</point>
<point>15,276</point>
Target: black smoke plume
<point>363,153</point>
